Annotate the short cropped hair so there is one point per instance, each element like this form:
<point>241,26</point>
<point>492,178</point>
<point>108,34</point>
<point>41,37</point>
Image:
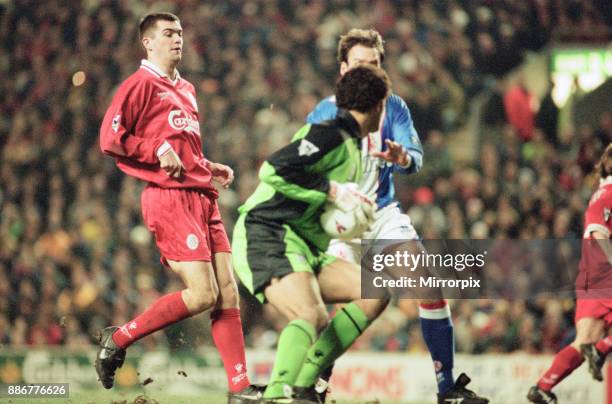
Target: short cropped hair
<point>362,88</point>
<point>149,21</point>
<point>604,166</point>
<point>367,37</point>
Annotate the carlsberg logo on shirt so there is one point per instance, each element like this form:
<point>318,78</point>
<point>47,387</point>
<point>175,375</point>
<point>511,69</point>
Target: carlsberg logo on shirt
<point>178,120</point>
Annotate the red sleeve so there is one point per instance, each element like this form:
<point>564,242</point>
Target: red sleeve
<point>117,136</point>
<point>598,215</point>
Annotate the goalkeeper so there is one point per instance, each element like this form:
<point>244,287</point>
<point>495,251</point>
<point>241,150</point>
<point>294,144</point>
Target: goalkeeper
<point>279,245</point>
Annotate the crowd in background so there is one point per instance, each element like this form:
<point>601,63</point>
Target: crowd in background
<point>74,256</point>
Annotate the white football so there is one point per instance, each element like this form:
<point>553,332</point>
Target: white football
<point>340,224</point>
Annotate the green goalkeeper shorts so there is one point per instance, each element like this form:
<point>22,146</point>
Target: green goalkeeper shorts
<point>263,251</point>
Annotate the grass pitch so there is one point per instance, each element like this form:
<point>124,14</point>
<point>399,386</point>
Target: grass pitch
<point>113,397</point>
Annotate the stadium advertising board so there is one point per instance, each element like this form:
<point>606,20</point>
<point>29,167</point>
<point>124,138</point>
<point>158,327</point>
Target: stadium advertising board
<point>357,375</point>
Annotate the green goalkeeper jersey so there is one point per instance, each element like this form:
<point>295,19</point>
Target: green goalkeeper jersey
<point>295,179</point>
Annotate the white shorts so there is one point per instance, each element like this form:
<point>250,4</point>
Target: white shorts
<point>390,224</point>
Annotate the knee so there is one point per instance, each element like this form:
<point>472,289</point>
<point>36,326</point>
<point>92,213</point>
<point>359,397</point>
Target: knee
<point>373,308</point>
<point>587,334</point>
<point>316,315</point>
<point>583,338</point>
<point>228,294</point>
<point>198,301</point>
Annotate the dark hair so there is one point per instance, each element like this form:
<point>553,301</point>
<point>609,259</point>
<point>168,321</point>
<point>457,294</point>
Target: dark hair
<point>362,88</point>
<point>149,21</point>
<point>366,37</point>
<point>604,166</point>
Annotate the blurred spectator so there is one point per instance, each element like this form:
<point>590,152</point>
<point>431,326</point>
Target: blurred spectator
<point>548,116</point>
<point>519,107</point>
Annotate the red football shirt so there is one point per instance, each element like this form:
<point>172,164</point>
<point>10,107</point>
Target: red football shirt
<point>597,271</point>
<point>148,110</point>
<point>597,216</point>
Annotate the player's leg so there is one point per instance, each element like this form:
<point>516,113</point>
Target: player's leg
<point>588,330</point>
<point>297,297</point>
<point>435,320</point>
<point>201,290</point>
<point>595,353</point>
<point>200,294</point>
<point>436,325</point>
<point>226,324</point>
<point>434,312</point>
<point>184,241</point>
<point>349,251</point>
<point>275,264</point>
<point>438,334</point>
<point>340,281</point>
<point>184,246</point>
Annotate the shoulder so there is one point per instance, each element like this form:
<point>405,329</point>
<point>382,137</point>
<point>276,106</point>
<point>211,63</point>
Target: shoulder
<point>600,200</point>
<point>328,102</point>
<point>397,111</point>
<point>327,133</point>
<point>395,103</point>
<point>603,195</point>
<point>605,200</point>
<point>325,109</point>
<point>186,84</point>
<point>138,80</point>
<point>318,130</point>
<point>327,105</point>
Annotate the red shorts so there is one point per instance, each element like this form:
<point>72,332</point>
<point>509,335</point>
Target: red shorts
<point>594,308</point>
<point>187,224</point>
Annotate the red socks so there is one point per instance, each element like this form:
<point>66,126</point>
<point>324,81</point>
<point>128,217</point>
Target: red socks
<point>227,333</point>
<point>166,310</point>
<point>564,363</point>
<point>605,345</point>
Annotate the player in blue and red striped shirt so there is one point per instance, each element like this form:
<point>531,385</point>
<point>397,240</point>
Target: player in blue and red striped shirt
<point>394,148</point>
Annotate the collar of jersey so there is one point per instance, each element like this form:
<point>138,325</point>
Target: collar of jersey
<point>605,181</point>
<point>153,69</point>
<point>346,120</point>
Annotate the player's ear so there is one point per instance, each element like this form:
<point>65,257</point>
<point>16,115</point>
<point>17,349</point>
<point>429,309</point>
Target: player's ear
<point>380,106</point>
<point>146,43</point>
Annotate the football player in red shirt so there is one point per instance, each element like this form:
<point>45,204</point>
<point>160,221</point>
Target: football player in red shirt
<point>151,129</point>
<point>593,293</point>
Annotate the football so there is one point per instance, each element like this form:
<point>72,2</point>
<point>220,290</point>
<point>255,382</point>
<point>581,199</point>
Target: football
<point>343,224</point>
